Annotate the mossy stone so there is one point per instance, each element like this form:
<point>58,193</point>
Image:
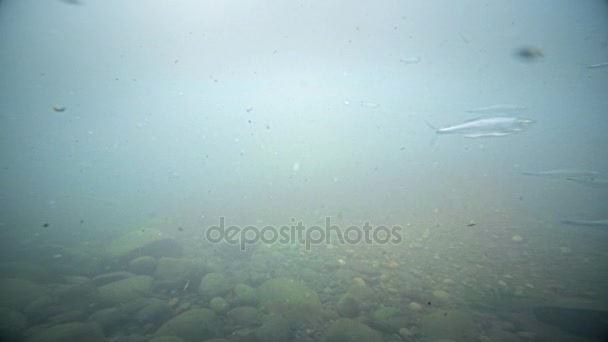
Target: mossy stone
<point>457,325</point>
<point>274,329</point>
<point>289,298</point>
<point>348,306</point>
<point>168,339</point>
<point>388,319</point>
<point>18,293</point>
<point>350,330</point>
<point>173,269</point>
<point>219,305</point>
<point>143,265</point>
<point>245,295</point>
<point>142,242</point>
<point>213,285</point>
<point>125,290</point>
<point>12,325</point>
<point>245,316</point>
<point>192,325</point>
<point>69,332</point>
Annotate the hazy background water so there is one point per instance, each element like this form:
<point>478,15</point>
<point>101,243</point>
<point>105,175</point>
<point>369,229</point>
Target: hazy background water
<point>178,112</point>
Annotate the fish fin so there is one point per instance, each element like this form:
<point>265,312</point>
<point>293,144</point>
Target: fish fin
<point>433,141</point>
<point>431,126</point>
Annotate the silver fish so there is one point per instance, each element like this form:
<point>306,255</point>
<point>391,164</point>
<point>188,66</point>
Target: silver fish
<point>597,66</point>
<point>486,127</point>
<point>590,223</point>
<point>590,181</point>
<point>563,173</point>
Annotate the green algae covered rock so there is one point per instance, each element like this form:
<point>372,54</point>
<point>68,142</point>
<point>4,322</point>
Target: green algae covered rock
<point>25,270</point>
<point>12,325</point>
<point>349,330</point>
<point>362,293</point>
<point>167,339</point>
<point>245,295</point>
<point>388,319</point>
<point>245,316</point>
<point>453,324</point>
<point>213,285</point>
<point>18,293</point>
<point>143,265</point>
<point>143,242</point>
<point>155,310</point>
<point>178,269</point>
<point>125,290</point>
<point>348,306</point>
<point>192,325</point>
<point>289,298</point>
<point>219,305</point>
<point>69,332</point>
<point>274,329</point>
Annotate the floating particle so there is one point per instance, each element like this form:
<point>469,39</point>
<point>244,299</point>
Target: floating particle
<point>529,53</point>
<point>410,60</point>
<point>371,105</point>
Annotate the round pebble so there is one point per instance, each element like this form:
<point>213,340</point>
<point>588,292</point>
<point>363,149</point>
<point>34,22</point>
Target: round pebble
<point>440,294</point>
<point>358,281</point>
<point>405,332</point>
<point>415,306</point>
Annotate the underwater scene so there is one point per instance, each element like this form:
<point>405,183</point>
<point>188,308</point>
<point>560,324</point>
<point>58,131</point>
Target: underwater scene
<point>336,171</point>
